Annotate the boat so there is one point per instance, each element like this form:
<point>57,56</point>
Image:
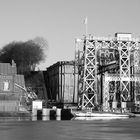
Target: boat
<point>98,118</point>
<point>101,114</point>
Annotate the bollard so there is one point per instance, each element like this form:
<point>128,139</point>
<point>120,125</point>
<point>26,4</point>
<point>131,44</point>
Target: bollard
<point>58,112</point>
<point>123,105</point>
<point>46,112</point>
<point>114,105</point>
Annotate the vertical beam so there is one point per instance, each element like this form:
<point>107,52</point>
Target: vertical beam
<point>79,61</point>
<point>88,75</point>
<point>124,49</point>
<point>136,72</point>
<point>106,93</point>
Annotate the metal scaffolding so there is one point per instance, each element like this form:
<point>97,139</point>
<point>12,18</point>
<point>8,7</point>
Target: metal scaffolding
<point>109,72</point>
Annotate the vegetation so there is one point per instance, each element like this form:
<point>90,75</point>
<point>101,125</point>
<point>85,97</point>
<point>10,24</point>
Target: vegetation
<point>27,55</point>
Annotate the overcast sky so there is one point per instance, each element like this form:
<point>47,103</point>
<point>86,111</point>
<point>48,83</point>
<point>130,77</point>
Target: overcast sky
<point>61,21</point>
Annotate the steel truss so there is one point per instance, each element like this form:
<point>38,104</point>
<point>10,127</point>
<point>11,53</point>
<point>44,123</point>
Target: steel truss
<point>120,84</point>
<point>88,75</point>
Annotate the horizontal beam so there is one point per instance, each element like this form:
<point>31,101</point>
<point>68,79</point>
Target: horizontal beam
<point>117,78</point>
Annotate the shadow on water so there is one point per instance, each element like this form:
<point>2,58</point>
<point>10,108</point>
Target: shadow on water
<point>34,118</point>
<point>5,119</point>
<point>47,118</point>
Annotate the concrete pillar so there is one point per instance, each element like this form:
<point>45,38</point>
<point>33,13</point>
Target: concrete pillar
<point>34,112</point>
<point>123,106</point>
<point>106,107</point>
<point>58,112</point>
<point>114,105</point>
<point>46,112</point>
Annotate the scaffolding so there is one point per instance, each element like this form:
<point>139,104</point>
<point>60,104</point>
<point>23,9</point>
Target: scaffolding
<point>109,72</point>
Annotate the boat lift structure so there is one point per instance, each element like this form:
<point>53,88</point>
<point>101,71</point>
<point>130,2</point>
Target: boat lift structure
<point>109,72</point>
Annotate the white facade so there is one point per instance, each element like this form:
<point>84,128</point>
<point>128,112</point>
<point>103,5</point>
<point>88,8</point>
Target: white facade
<point>37,104</point>
<point>123,36</point>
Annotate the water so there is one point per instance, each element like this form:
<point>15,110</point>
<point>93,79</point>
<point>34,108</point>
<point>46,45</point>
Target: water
<point>74,129</point>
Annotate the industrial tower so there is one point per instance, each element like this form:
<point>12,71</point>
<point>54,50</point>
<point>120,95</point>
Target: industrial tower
<point>109,71</point>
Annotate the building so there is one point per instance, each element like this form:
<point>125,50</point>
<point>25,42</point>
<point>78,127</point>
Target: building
<point>61,82</point>
<point>12,88</point>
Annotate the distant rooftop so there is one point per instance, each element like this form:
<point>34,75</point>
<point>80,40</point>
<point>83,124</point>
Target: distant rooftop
<point>8,69</point>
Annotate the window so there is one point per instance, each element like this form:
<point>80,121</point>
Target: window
<point>6,86</point>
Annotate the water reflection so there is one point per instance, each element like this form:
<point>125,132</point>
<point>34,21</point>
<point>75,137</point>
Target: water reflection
<point>126,129</point>
<point>98,118</point>
<point>58,118</point>
<point>46,118</point>
<point>41,128</point>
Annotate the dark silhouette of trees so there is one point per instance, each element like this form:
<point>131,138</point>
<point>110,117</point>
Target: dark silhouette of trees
<point>27,55</point>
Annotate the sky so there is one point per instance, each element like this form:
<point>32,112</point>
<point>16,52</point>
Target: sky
<point>60,22</point>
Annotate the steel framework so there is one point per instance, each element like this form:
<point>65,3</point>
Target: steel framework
<point>120,84</point>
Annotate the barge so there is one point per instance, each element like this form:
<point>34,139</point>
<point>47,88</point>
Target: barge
<point>101,114</point>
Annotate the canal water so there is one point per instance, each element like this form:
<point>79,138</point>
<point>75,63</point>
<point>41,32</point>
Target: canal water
<point>73,129</point>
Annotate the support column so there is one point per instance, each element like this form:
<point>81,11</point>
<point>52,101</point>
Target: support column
<point>124,52</point>
<point>89,75</point>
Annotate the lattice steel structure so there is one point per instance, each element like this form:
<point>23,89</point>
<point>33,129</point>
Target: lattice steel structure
<point>120,83</point>
<point>87,74</point>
